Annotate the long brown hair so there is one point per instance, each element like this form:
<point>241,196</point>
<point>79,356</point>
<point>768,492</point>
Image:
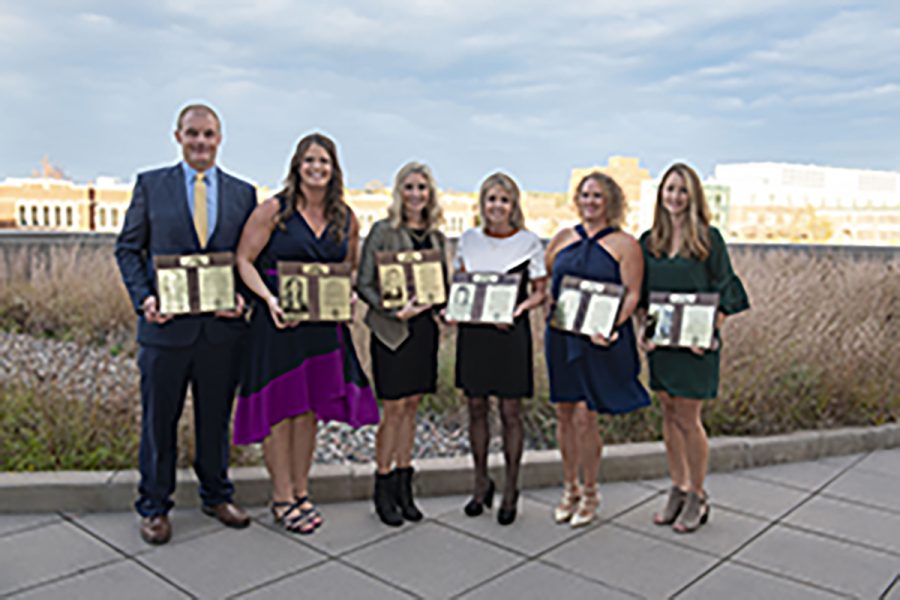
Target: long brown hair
<point>336,210</point>
<point>613,197</point>
<point>695,238</point>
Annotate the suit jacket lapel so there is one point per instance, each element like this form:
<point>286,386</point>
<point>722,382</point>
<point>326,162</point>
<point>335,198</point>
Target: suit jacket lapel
<point>224,184</point>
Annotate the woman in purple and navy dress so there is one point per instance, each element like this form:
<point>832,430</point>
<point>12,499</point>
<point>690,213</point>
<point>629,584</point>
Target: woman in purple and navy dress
<point>295,373</point>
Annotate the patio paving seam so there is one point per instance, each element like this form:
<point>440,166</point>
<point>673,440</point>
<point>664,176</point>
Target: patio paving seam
<point>557,567</point>
<point>339,557</point>
<point>51,520</point>
<point>863,503</point>
<point>839,538</point>
<point>772,524</point>
<point>57,578</point>
<point>131,557</point>
<point>376,577</point>
<point>282,577</point>
<point>894,584</point>
<point>789,577</point>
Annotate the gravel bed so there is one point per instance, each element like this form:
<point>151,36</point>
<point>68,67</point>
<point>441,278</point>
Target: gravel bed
<point>96,374</point>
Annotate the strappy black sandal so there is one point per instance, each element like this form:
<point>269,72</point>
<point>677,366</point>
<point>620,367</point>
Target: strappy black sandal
<point>313,514</point>
<point>299,523</point>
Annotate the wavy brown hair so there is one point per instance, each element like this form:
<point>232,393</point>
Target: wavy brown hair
<point>613,197</point>
<point>695,228</point>
<point>516,217</point>
<point>337,213</point>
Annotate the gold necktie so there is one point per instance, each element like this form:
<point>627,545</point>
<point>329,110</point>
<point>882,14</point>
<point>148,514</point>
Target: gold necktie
<point>200,220</point>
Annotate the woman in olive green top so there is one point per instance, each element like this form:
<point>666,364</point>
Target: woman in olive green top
<point>682,253</point>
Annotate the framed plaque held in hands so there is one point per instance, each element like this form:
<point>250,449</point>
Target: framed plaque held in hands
<point>314,291</point>
<point>194,284</point>
<point>410,273</point>
<point>587,307</point>
<point>682,320</point>
<point>483,297</point>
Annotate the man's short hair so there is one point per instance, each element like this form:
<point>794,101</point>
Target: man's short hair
<point>200,108</point>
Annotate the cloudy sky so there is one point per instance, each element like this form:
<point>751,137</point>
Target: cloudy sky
<point>469,86</point>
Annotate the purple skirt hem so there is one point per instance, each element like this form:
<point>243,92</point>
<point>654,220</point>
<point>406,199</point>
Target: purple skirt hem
<point>316,386</point>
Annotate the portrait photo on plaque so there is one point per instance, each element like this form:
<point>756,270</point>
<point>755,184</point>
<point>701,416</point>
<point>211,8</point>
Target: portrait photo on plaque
<point>459,307</point>
<point>334,293</point>
<point>587,307</point>
<point>482,297</point>
<point>195,283</point>
<point>293,296</point>
<point>410,274</point>
<point>392,280</point>
<point>682,320</point>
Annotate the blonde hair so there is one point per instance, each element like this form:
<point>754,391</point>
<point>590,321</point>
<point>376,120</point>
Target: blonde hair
<point>613,197</point>
<point>516,217</point>
<point>432,215</point>
<point>695,241</point>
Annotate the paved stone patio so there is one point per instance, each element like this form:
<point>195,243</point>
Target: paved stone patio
<point>824,529</point>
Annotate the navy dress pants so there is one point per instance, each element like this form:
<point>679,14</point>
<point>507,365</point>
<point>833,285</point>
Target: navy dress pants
<point>212,372</point>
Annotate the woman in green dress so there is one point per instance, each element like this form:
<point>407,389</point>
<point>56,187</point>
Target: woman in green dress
<point>683,253</point>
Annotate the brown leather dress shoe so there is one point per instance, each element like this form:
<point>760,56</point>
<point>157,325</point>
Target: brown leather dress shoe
<point>230,515</point>
<point>156,529</point>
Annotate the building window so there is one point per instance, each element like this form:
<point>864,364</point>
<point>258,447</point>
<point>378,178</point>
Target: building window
<point>46,216</point>
<point>34,215</point>
<point>69,220</point>
<point>114,217</point>
<point>23,216</point>
<point>101,217</point>
<point>57,216</point>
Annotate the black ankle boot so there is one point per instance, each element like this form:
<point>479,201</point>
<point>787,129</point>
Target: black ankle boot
<point>386,500</point>
<point>405,494</point>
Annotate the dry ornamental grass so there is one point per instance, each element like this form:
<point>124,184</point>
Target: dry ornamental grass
<point>816,350</point>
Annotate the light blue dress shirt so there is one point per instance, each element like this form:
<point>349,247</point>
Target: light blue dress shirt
<point>212,194</point>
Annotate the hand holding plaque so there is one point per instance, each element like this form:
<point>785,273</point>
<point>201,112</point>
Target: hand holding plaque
<point>195,283</point>
<point>483,297</point>
<point>682,320</point>
<point>314,292</point>
<point>587,307</point>
<point>409,274</point>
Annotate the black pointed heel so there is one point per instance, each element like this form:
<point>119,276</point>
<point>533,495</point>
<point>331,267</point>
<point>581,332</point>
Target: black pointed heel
<point>475,506</point>
<point>506,516</point>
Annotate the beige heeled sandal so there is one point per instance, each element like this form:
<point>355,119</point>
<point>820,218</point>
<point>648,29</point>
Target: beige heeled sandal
<point>587,507</point>
<point>569,502</point>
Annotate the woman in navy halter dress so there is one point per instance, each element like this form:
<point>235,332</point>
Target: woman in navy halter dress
<point>592,375</point>
<point>295,374</point>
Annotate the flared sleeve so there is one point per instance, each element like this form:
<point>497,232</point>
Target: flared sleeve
<point>732,295</point>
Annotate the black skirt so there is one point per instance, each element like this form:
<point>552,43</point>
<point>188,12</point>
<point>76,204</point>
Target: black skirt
<point>412,368</point>
<point>495,362</point>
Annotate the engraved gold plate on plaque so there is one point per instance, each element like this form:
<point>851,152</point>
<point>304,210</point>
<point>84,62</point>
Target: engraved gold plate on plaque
<point>408,274</point>
<point>587,307</point>
<point>195,283</point>
<point>483,297</point>
<point>314,292</point>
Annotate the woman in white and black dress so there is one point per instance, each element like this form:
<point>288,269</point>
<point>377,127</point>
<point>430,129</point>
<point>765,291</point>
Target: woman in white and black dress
<point>496,360</point>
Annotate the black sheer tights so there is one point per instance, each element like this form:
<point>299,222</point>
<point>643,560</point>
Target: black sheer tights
<point>480,437</point>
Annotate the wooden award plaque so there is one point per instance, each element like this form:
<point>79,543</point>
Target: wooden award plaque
<point>483,297</point>
<point>410,273</point>
<point>587,307</point>
<point>682,320</point>
<point>195,283</point>
<point>314,291</point>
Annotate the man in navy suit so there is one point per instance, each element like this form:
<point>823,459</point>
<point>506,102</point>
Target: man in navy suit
<point>189,208</point>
